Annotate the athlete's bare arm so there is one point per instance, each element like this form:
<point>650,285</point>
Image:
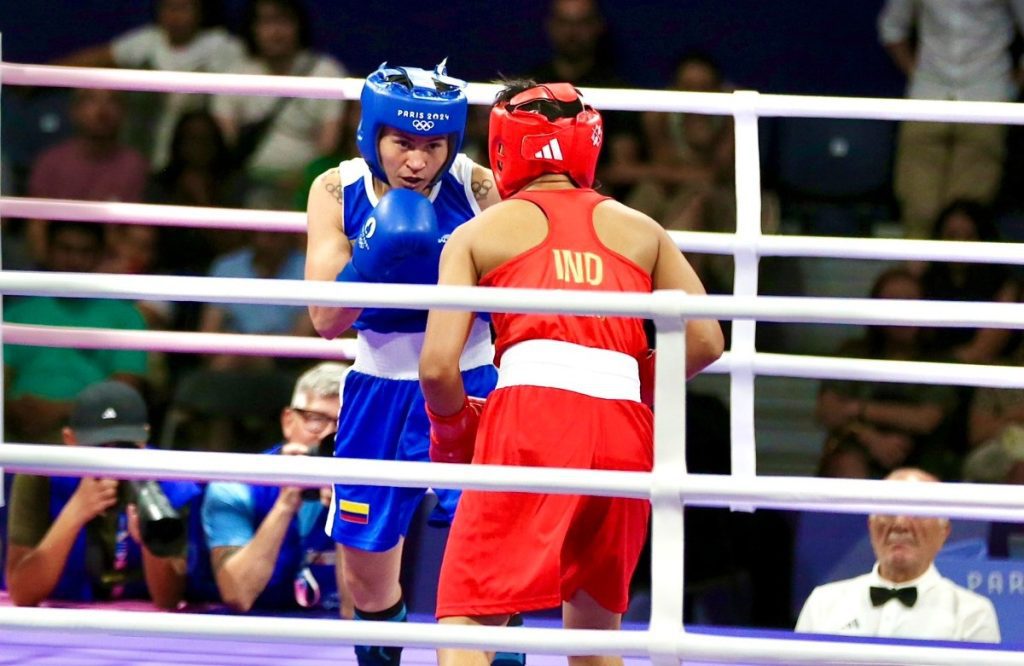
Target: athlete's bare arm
<point>328,250</point>
<point>485,191</point>
<point>704,339</point>
<point>644,241</point>
<point>448,330</point>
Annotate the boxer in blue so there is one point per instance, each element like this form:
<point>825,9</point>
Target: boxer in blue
<point>384,218</point>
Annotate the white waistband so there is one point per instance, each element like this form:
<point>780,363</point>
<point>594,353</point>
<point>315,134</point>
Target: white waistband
<point>397,355</point>
<point>599,373</point>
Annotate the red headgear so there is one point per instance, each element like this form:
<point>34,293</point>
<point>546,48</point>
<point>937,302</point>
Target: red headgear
<point>525,144</point>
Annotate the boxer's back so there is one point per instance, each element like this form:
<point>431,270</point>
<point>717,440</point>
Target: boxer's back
<point>515,226</point>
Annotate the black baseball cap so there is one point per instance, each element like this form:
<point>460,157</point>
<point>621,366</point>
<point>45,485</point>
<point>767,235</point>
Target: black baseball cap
<point>109,412</point>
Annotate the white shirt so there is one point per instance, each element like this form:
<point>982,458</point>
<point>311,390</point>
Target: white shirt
<point>291,140</point>
<point>146,47</point>
<point>943,611</point>
<point>963,46</point>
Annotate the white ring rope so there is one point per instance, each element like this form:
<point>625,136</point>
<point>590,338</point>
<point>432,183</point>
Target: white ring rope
<point>763,363</point>
<point>660,305</point>
<point>663,642</point>
<point>961,500</point>
<point>115,212</point>
<point>689,647</point>
<point>690,241</point>
<point>187,342</point>
<point>610,99</point>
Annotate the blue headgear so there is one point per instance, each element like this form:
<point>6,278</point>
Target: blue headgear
<point>412,100</point>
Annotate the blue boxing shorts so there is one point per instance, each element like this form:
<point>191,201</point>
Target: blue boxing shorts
<point>383,418</point>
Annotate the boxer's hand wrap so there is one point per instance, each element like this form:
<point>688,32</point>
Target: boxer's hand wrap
<point>452,437</point>
<point>399,242</point>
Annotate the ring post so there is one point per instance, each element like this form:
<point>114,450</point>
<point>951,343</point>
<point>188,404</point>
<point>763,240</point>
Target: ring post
<point>669,468</point>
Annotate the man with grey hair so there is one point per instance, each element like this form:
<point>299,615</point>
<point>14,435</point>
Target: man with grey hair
<point>904,596</point>
<point>268,548</point>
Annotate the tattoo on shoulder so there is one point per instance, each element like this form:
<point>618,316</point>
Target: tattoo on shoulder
<point>481,188</point>
<point>222,556</point>
<point>332,183</point>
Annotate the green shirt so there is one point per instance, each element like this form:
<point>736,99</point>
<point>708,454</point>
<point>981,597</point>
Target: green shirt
<point>61,373</point>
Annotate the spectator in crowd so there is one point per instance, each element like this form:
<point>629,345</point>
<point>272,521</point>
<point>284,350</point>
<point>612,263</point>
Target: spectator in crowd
<point>874,427</point>
<point>688,184</point>
<point>133,249</point>
<point>80,539</point>
<point>690,153</point>
<point>950,51</point>
<point>94,164</point>
<point>268,255</point>
<point>904,596</point>
<point>274,138</point>
<point>582,54</point>
<point>995,433</point>
<point>268,548</point>
<point>42,382</point>
<point>184,37</point>
<point>199,172</point>
<point>964,220</point>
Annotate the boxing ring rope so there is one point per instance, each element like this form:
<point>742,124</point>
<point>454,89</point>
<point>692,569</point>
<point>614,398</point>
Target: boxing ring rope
<point>969,501</point>
<point>688,241</point>
<point>707,649</point>
<point>668,486</point>
<point>778,365</point>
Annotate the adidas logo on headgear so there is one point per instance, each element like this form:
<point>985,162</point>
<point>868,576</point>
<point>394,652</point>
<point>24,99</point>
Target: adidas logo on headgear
<point>552,151</point>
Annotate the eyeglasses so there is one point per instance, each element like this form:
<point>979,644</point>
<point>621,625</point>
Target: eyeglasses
<point>314,420</point>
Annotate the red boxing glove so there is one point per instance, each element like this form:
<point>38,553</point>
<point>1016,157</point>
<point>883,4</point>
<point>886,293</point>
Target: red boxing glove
<point>647,379</point>
<point>452,437</point>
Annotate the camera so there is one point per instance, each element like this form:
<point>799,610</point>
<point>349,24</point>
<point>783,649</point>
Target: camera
<point>324,449</point>
<point>162,527</point>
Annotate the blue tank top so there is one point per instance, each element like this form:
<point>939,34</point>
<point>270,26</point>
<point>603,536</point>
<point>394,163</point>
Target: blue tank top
<point>454,204</point>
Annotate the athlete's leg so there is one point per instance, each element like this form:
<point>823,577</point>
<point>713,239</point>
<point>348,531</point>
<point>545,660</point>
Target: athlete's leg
<point>372,579</point>
<point>347,608</point>
<point>452,657</point>
<point>583,612</point>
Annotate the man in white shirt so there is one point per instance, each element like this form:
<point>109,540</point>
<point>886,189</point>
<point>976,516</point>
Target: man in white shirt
<point>950,50</point>
<point>182,38</point>
<point>904,596</point>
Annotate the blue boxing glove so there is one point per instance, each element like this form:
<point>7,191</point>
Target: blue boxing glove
<point>399,242</point>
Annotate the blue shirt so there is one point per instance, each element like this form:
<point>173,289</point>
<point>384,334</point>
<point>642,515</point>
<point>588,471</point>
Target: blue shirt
<point>254,317</point>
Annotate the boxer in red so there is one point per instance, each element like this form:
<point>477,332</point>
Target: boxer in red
<point>568,390</point>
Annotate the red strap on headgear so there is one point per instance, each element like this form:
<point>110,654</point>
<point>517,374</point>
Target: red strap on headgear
<point>524,144</point>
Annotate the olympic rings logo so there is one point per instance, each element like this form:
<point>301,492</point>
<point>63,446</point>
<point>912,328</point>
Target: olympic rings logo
<point>423,125</point>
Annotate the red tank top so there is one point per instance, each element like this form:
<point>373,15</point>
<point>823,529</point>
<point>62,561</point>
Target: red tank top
<point>570,257</point>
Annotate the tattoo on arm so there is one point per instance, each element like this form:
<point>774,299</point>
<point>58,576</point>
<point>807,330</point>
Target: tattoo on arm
<point>481,188</point>
<point>333,185</point>
<point>222,556</point>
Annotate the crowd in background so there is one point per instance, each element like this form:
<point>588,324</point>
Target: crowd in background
<point>262,152</point>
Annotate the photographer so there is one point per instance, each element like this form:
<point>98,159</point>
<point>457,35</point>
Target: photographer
<point>268,549</point>
<point>82,539</point>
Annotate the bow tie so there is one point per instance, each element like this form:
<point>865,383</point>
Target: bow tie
<point>906,595</point>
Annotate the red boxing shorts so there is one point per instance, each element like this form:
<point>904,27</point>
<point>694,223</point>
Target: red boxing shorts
<point>510,552</point>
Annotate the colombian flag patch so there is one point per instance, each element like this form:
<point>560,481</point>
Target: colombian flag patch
<point>354,512</point>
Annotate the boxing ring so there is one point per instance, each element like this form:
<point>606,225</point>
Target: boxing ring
<point>194,638</point>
